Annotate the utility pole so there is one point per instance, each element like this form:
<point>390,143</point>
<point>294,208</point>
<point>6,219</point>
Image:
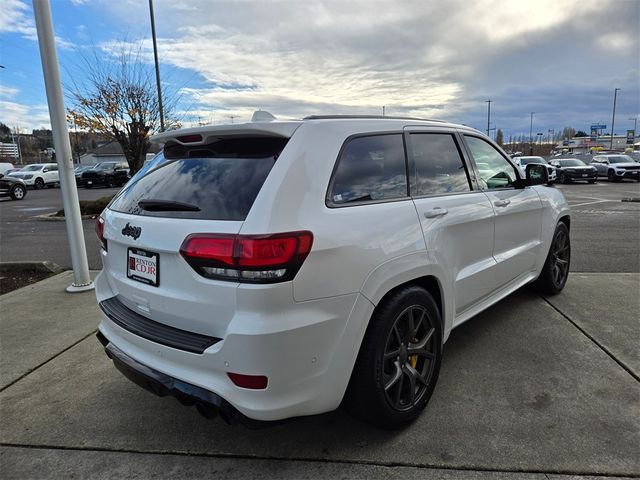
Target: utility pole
<point>73,221</point>
<point>488,102</point>
<point>613,117</point>
<point>531,135</point>
<point>155,56</point>
<point>635,124</point>
<point>383,110</point>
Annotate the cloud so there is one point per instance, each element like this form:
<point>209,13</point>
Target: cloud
<point>421,58</point>
<point>16,18</point>
<point>428,59</point>
<point>18,115</point>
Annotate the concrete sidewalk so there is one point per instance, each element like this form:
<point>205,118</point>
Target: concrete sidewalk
<point>532,388</point>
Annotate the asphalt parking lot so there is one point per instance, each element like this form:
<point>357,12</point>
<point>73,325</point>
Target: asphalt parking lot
<point>605,231</point>
<point>532,388</point>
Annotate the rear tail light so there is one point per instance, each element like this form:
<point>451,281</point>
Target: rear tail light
<point>247,258</point>
<point>100,231</point>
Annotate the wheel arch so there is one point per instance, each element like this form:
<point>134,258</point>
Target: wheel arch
<point>566,219</point>
<point>428,282</point>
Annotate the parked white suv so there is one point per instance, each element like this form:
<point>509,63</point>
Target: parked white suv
<point>38,175</point>
<point>268,270</point>
<point>522,162</point>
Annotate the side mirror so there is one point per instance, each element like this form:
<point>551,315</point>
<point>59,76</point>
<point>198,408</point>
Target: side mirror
<point>537,174</point>
<point>1,175</point>
<point>45,170</point>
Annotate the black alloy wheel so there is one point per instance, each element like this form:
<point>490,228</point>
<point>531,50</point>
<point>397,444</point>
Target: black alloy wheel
<point>409,358</point>
<point>555,272</point>
<point>39,184</point>
<point>399,360</point>
<point>611,176</point>
<point>561,256</point>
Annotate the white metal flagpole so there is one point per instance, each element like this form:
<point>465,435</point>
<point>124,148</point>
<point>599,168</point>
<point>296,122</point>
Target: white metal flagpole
<point>46,40</point>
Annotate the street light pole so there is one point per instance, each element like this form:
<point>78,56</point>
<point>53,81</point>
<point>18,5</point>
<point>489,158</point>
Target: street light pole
<point>531,135</point>
<point>635,124</point>
<point>155,56</point>
<point>488,102</point>
<point>73,221</point>
<point>613,117</point>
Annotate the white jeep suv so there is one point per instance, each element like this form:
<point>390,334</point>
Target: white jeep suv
<point>38,175</point>
<point>270,270</point>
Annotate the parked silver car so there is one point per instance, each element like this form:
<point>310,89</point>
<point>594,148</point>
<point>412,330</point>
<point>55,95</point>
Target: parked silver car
<point>616,167</point>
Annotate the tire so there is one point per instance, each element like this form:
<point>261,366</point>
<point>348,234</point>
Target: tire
<point>18,192</point>
<point>88,186</point>
<point>564,179</point>
<point>591,181</point>
<point>384,359</point>
<point>108,182</point>
<point>555,271</point>
<point>38,184</point>
<point>611,176</point>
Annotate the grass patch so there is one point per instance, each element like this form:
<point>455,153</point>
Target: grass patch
<point>90,207</point>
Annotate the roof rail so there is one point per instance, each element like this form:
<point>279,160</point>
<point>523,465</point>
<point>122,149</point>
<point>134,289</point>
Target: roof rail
<point>373,117</point>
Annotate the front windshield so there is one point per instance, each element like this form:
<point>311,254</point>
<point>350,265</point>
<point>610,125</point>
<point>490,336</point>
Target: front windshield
<point>104,166</point>
<point>32,168</point>
<point>571,163</point>
<point>527,161</point>
<point>620,159</point>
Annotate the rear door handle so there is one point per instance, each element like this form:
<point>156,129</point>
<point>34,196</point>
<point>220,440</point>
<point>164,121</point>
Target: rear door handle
<point>436,212</point>
<point>502,203</point>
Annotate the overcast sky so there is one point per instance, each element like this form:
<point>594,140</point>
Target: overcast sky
<point>441,59</point>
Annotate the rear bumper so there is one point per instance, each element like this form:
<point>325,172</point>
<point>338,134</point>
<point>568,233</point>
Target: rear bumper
<point>305,350</point>
<point>208,403</point>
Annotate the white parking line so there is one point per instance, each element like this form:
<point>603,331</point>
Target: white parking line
<point>591,203</point>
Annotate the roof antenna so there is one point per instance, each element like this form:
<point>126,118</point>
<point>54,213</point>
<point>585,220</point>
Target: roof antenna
<point>262,116</point>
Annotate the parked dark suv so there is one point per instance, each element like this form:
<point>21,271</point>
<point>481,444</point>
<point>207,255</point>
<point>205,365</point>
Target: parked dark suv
<point>108,174</point>
<point>12,187</point>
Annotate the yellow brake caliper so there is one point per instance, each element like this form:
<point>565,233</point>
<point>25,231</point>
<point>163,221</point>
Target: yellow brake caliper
<point>414,358</point>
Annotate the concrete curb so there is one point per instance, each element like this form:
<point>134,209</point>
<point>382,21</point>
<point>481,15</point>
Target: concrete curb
<point>43,266</point>
<point>52,217</point>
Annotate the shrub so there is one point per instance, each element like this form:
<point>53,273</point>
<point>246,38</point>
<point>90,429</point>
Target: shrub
<point>90,207</point>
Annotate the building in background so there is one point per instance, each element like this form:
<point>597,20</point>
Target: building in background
<point>9,151</point>
<point>109,152</point>
<point>584,145</point>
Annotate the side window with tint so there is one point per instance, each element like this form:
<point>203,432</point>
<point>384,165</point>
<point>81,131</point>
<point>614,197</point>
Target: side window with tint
<point>370,168</point>
<point>437,164</point>
<point>495,171</point>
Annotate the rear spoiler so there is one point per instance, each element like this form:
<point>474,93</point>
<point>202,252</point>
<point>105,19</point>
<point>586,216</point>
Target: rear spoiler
<point>207,134</point>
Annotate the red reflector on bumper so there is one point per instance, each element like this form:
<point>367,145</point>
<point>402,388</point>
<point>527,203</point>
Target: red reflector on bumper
<point>254,382</point>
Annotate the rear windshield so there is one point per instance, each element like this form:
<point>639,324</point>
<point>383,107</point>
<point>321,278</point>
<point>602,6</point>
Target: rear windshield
<point>527,161</point>
<point>217,181</point>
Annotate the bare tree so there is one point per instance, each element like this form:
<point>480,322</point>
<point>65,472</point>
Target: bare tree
<point>119,99</point>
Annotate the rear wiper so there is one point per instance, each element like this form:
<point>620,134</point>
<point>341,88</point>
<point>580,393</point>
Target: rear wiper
<point>167,206</point>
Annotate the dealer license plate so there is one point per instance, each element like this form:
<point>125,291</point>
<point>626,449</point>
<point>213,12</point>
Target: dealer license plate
<point>584,174</point>
<point>143,266</point>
